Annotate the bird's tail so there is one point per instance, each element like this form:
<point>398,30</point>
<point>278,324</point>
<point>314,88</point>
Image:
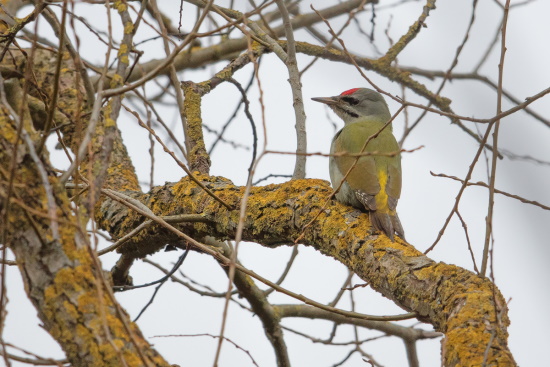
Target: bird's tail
<point>387,223</point>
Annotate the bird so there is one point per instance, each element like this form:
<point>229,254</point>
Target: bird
<point>374,183</point>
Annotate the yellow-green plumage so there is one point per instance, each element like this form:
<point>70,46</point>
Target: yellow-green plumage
<point>374,182</point>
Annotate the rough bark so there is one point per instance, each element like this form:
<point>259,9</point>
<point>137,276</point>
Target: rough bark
<point>62,275</point>
<point>468,309</point>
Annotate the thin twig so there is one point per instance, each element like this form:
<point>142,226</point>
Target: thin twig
<point>172,71</point>
<point>483,184</point>
<point>489,219</point>
<point>219,136</point>
<point>160,282</point>
<point>209,293</point>
<point>59,30</point>
<point>164,63</point>
<point>55,90</point>
<point>465,226</point>
<point>446,77</point>
<point>461,191</point>
<point>285,272</point>
<point>248,114</point>
<point>179,162</point>
<point>212,336</point>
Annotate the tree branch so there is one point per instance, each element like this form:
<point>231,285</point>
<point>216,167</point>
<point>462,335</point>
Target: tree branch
<point>61,275</point>
<point>455,301</point>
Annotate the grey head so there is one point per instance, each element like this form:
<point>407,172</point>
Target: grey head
<point>357,103</point>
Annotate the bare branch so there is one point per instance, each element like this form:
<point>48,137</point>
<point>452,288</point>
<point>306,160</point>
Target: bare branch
<point>489,220</point>
<point>298,101</point>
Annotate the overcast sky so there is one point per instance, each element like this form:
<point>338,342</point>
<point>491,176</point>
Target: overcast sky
<point>521,232</point>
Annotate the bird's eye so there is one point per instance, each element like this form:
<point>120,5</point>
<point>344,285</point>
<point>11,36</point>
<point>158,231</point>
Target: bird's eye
<point>350,100</point>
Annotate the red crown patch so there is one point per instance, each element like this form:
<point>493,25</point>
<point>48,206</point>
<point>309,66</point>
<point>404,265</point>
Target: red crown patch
<point>349,91</point>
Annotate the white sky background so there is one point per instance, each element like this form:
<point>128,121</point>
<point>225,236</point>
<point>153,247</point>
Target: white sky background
<point>521,231</point>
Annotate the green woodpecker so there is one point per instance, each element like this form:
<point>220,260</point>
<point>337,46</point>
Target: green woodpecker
<point>374,183</point>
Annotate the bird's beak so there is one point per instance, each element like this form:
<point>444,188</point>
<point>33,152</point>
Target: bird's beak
<point>326,100</point>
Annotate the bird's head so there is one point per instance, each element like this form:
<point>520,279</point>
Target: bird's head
<point>357,103</point>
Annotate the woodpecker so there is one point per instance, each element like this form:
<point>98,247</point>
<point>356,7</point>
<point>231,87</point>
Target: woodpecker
<point>374,183</point>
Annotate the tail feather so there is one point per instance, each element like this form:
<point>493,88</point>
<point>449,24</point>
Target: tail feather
<point>389,224</point>
<point>397,226</point>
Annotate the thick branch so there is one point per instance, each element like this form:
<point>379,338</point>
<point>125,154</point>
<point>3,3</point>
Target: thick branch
<point>62,276</point>
<point>468,309</point>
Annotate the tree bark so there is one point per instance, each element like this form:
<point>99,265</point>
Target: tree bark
<point>62,275</point>
<point>469,309</point>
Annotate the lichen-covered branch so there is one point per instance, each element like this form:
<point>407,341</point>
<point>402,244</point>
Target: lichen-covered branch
<point>110,140</point>
<point>198,157</point>
<point>70,116</point>
<point>467,308</point>
<point>62,277</point>
<point>414,29</point>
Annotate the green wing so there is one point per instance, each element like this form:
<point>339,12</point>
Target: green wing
<point>375,179</point>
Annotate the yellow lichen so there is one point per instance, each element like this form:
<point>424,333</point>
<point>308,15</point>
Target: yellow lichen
<point>120,6</point>
<point>129,28</point>
<point>116,81</point>
<point>123,50</point>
